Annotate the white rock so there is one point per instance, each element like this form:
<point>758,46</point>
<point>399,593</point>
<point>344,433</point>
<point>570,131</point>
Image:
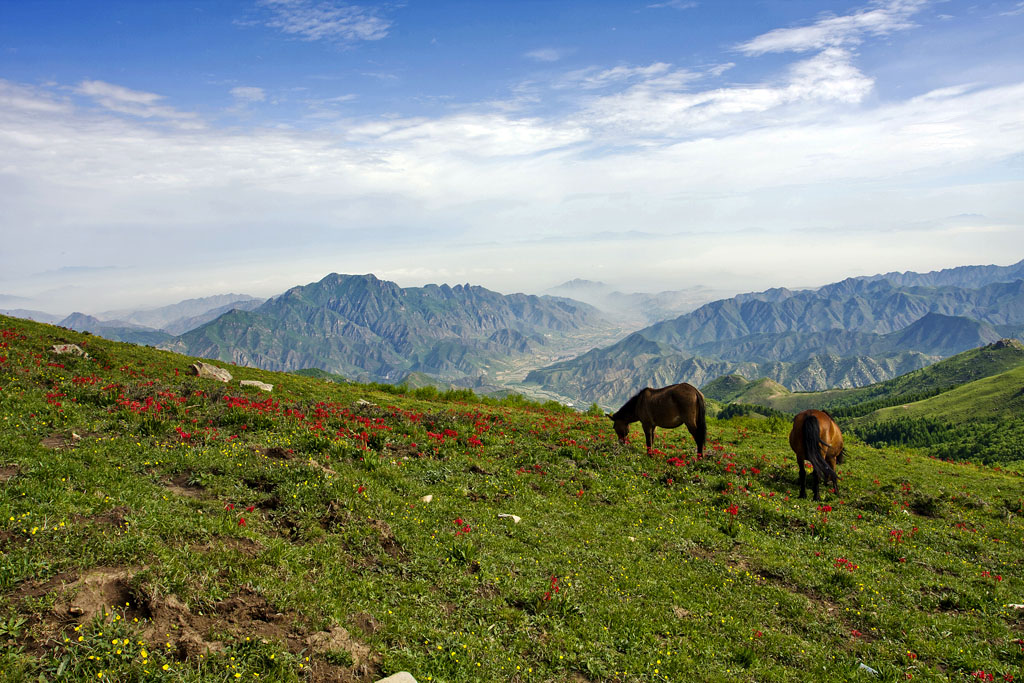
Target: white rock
<point>256,383</point>
<point>515,518</point>
<point>427,498</point>
<point>865,667</point>
<point>73,349</point>
<point>208,371</point>
<point>400,677</point>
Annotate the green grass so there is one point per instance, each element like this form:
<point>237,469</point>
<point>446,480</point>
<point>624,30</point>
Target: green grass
<point>125,555</point>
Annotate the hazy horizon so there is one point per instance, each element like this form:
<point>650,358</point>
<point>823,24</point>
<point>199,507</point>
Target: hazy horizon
<point>156,152</point>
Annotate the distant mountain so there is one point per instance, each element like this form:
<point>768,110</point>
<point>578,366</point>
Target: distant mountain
<point>115,330</point>
<point>636,309</point>
<point>38,316</point>
<point>962,276</point>
<point>847,334</point>
<point>368,329</point>
<point>184,315</point>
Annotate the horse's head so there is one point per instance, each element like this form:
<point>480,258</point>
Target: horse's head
<point>621,427</point>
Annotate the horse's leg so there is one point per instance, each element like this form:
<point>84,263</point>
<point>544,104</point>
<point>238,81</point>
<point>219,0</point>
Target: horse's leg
<point>835,475</point>
<point>649,435</point>
<point>693,433</point>
<point>803,478</point>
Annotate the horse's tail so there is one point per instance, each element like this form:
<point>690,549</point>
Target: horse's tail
<point>701,429</point>
<point>812,448</point>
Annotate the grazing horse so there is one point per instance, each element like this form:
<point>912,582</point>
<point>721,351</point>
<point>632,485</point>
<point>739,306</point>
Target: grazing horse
<point>667,407</point>
<point>816,437</point>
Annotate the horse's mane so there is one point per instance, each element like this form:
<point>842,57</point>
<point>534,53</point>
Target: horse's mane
<point>629,407</point>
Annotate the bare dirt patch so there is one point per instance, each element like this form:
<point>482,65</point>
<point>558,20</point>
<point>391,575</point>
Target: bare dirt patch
<point>106,591</point>
<point>180,485</point>
<point>7,472</point>
<point>60,441</point>
<point>114,517</point>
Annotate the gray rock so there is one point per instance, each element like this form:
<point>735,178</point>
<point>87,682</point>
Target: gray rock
<point>256,383</point>
<point>207,371</point>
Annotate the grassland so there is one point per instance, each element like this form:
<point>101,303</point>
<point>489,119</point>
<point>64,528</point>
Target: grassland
<point>156,526</point>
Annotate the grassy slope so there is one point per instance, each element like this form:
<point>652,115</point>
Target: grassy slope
<point>656,578</point>
<point>964,367</point>
<point>997,396</point>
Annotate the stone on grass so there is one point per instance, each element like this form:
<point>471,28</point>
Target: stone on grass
<point>400,677</point>
<point>73,349</point>
<point>207,371</point>
<point>256,383</point>
<point>515,518</point>
<point>427,498</point>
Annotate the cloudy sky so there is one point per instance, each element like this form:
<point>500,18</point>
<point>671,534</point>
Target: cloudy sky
<point>161,150</point>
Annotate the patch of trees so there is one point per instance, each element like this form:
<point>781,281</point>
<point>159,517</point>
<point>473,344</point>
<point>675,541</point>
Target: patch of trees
<point>745,409</point>
<point>839,409</point>
<point>989,441</point>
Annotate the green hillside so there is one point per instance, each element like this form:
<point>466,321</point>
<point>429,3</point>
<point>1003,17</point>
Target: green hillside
<point>968,366</point>
<point>999,396</point>
<point>155,526</point>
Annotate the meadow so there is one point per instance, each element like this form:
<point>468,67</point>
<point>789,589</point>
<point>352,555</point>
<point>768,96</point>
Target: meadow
<point>155,526</point>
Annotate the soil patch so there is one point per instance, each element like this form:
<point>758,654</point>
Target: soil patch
<point>8,471</point>
<point>114,517</point>
<point>60,441</point>
<point>192,634</point>
<point>180,485</point>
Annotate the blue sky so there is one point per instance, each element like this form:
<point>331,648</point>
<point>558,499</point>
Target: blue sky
<point>155,151</point>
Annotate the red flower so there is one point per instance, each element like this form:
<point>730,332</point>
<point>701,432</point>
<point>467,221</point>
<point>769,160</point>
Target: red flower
<point>241,521</point>
<point>229,506</point>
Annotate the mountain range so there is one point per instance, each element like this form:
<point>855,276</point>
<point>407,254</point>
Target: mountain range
<point>850,333</point>
<point>373,330</point>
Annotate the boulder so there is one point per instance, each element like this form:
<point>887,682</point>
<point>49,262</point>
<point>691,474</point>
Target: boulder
<point>400,677</point>
<point>73,349</point>
<point>256,383</point>
<point>207,371</point>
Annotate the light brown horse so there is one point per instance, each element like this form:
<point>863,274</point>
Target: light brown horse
<point>667,407</point>
<point>815,437</point>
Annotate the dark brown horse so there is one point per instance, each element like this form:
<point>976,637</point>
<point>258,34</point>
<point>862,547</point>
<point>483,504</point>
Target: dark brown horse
<point>815,437</point>
<point>667,407</point>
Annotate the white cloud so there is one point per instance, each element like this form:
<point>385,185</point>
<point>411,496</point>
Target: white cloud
<point>246,93</point>
<point>882,19</point>
<point>664,104</point>
<point>134,102</point>
<point>1019,9</point>
<point>675,4</point>
<point>326,20</point>
<point>511,193</point>
<point>594,78</point>
<point>544,54</point>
